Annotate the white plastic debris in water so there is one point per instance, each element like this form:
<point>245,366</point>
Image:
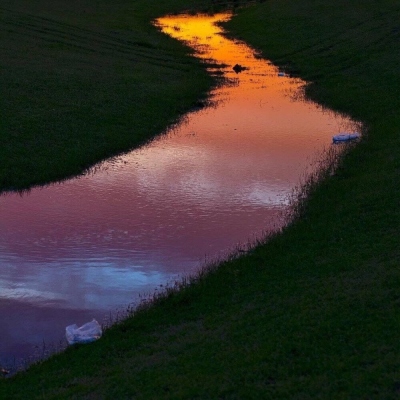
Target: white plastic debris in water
<point>345,137</point>
<point>86,333</point>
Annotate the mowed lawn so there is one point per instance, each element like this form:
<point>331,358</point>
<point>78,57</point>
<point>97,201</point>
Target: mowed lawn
<point>82,81</point>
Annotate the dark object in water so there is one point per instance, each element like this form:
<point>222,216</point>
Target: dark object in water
<point>239,68</point>
<point>4,372</point>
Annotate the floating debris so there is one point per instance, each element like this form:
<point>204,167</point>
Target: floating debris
<point>345,137</point>
<point>87,333</point>
<point>239,68</point>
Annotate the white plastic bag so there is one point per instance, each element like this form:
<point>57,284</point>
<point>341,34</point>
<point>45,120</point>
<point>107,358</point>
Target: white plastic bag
<point>86,333</point>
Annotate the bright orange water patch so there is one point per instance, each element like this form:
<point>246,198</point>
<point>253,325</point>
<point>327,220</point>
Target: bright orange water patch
<point>260,111</point>
<point>203,33</point>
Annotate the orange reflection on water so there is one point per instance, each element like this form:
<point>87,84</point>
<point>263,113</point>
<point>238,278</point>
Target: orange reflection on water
<point>260,104</point>
<point>203,33</point>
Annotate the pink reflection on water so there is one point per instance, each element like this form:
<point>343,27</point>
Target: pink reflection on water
<point>76,250</point>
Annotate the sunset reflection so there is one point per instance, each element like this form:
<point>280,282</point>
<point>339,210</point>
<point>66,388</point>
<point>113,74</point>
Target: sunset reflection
<point>203,33</point>
<point>73,251</point>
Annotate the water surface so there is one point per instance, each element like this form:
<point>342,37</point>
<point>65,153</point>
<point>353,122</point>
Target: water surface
<point>74,251</point>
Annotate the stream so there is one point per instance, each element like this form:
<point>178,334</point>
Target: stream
<point>87,247</point>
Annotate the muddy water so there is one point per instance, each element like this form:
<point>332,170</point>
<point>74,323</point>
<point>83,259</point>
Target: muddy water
<point>74,251</point>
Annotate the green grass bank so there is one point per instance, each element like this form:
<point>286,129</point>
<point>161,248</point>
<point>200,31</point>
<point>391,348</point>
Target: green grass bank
<point>83,80</point>
<point>313,313</point>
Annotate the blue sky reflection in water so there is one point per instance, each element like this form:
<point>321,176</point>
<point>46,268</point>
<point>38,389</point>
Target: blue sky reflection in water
<point>74,251</point>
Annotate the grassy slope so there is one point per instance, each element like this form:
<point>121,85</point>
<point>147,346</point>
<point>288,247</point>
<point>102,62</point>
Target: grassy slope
<point>81,81</point>
<point>312,314</point>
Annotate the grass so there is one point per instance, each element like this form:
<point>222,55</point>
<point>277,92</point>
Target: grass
<point>313,312</point>
<point>81,82</point>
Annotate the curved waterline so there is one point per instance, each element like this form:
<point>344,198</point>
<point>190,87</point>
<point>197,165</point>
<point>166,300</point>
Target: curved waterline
<point>73,251</point>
